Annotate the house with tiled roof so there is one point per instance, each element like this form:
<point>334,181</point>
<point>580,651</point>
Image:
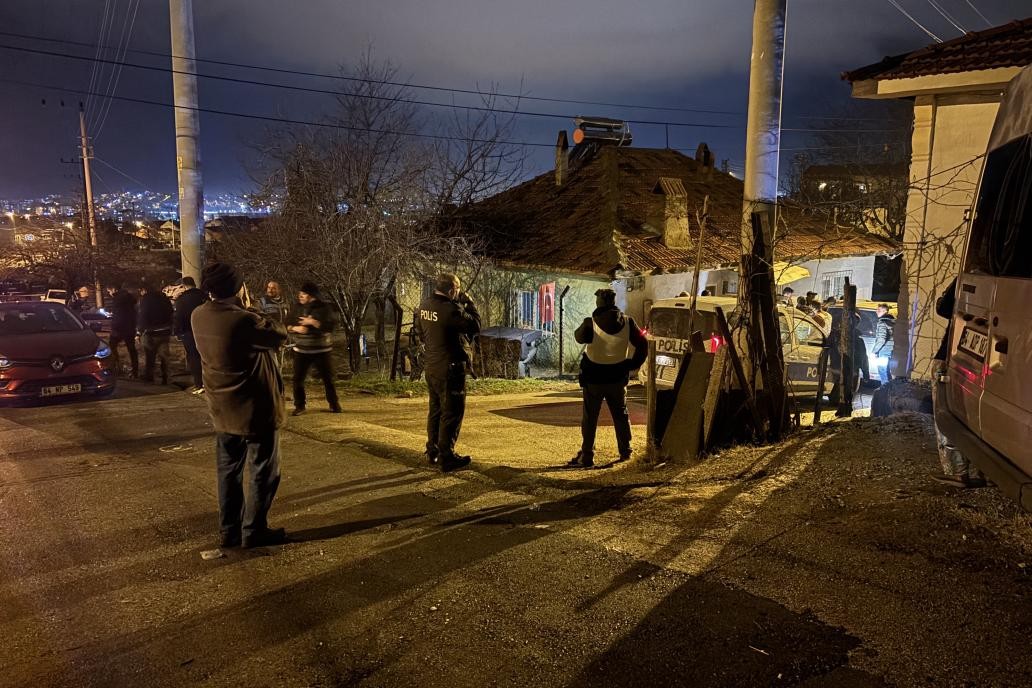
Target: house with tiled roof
<point>956,87</point>
<point>615,215</point>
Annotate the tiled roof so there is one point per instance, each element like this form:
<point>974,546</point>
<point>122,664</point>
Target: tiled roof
<point>1009,45</point>
<point>596,222</point>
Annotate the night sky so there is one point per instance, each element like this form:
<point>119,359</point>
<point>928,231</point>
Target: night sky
<point>672,53</point>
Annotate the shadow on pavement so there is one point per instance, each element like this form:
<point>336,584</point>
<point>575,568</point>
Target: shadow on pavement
<point>564,414</point>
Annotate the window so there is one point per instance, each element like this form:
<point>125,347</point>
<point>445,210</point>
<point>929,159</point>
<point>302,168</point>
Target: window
<point>1001,233</point>
<point>428,289</point>
<point>729,287</point>
<point>786,334</point>
<point>806,333</point>
<point>673,323</point>
<point>834,283</point>
<point>526,309</point>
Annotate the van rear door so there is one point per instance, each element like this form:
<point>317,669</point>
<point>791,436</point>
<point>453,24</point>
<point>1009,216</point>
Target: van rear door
<point>1001,245</point>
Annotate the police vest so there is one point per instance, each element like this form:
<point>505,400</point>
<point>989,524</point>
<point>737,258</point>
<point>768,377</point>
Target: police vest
<point>608,348</point>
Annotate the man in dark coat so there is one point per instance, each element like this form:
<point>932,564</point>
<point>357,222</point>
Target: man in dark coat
<point>883,341</point>
<point>245,399</point>
<point>155,325</point>
<point>605,372</point>
<point>444,321</point>
<point>80,301</point>
<point>186,303</point>
<point>123,326</point>
<point>313,344</point>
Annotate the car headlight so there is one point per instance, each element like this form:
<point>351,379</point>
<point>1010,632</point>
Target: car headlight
<point>103,350</point>
<point>4,362</point>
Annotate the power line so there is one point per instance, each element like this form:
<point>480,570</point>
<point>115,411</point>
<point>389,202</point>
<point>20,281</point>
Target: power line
<point>101,40</point>
<point>124,174</point>
<point>337,94</point>
<point>946,15</point>
<point>475,108</point>
<point>917,23</point>
<point>124,40</point>
<point>972,6</point>
<point>322,75</point>
<point>342,77</point>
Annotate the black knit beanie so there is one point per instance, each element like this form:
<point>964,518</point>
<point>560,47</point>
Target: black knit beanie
<point>312,289</point>
<point>221,280</point>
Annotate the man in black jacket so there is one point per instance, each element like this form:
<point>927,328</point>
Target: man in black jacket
<point>186,303</point>
<point>123,326</point>
<point>605,372</point>
<point>245,399</point>
<point>443,322</point>
<point>155,326</point>
<point>313,344</point>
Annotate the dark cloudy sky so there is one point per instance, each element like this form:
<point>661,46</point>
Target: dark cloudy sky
<point>673,53</point>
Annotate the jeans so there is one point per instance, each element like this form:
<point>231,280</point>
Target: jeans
<point>883,368</point>
<point>615,396</point>
<point>130,346</point>
<point>193,359</point>
<point>447,408</point>
<point>261,454</point>
<point>324,367</point>
<point>155,348</point>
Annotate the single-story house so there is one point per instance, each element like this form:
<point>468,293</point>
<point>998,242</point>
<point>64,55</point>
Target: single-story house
<point>956,87</point>
<point>614,215</point>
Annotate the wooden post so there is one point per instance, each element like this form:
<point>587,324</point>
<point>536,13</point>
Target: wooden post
<point>397,336</point>
<point>822,375</point>
<point>650,401</point>
<point>701,219</point>
<point>847,368</point>
<point>736,365</point>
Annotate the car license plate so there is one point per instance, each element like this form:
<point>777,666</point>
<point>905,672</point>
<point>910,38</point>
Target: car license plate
<point>665,361</point>
<point>57,390</point>
<point>974,343</point>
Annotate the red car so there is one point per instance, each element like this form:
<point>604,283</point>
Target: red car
<point>46,352</point>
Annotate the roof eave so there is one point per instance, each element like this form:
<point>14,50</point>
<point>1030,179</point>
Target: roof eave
<point>976,81</point>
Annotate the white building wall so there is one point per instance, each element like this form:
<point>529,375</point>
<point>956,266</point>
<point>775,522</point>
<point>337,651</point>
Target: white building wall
<point>636,294</point>
<point>950,133</point>
<point>826,274</point>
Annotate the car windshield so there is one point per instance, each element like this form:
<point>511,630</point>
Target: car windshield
<point>673,323</point>
<point>33,318</point>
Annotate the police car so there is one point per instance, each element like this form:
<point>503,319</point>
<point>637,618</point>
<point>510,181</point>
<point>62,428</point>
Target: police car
<point>668,326</point>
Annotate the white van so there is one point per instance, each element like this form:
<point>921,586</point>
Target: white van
<point>985,405</point>
<point>801,337</point>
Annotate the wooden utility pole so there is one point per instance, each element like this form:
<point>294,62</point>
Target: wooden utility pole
<point>188,135</point>
<point>759,343</point>
<point>91,216</point>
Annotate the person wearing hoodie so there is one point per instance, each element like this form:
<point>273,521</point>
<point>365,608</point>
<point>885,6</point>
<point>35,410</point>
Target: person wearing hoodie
<point>185,304</point>
<point>313,344</point>
<point>605,369</point>
<point>123,326</point>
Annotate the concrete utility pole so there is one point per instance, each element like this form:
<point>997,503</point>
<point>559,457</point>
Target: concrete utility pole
<point>759,341</point>
<point>188,134</point>
<point>91,216</point>
<point>763,134</point>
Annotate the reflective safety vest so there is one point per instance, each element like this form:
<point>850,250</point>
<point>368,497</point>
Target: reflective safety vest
<point>608,348</point>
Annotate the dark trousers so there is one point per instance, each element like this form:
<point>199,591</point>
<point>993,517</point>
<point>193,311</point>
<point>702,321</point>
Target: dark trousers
<point>323,367</point>
<point>447,408</point>
<point>155,350</point>
<point>261,454</point>
<point>615,396</point>
<point>130,346</point>
<point>193,359</point>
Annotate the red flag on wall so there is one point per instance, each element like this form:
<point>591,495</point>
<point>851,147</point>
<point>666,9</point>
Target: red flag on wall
<point>546,302</point>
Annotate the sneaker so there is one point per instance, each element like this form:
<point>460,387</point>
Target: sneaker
<point>582,460</point>
<point>264,538</point>
<point>455,463</point>
<point>197,391</point>
<point>297,412</point>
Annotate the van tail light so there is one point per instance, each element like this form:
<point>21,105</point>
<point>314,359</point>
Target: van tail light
<point>716,341</point>
<point>644,332</point>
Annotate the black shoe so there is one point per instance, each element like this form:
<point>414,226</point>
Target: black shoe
<point>432,458</point>
<point>230,539</point>
<point>582,460</point>
<point>336,409</point>
<point>297,412</point>
<point>263,538</point>
<point>455,463</point>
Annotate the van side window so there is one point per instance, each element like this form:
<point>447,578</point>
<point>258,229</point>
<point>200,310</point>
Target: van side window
<point>1001,232</point>
<point>786,333</point>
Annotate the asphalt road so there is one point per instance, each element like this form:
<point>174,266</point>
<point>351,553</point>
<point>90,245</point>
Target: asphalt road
<point>397,576</point>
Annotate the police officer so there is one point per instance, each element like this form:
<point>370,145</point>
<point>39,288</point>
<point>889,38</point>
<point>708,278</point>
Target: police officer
<point>444,321</point>
<point>605,372</point>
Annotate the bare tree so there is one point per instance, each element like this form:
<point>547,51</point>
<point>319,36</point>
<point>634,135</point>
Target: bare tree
<point>364,201</point>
